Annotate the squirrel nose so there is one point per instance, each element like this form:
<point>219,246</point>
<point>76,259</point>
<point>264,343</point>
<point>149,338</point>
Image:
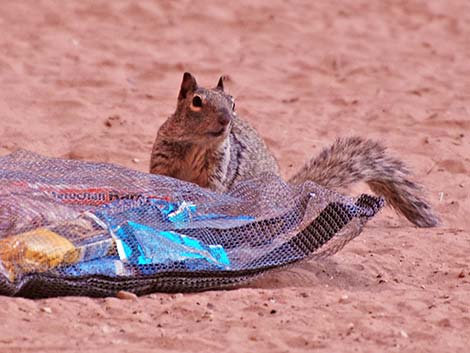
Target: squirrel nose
<point>224,118</point>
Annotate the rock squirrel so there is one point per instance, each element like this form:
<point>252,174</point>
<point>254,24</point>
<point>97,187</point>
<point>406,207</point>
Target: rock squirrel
<point>206,143</point>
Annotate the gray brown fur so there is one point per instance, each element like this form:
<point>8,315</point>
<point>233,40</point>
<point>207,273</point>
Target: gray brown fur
<point>351,160</point>
<point>212,147</point>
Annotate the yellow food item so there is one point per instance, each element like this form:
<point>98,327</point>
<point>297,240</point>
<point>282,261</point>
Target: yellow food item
<point>35,251</point>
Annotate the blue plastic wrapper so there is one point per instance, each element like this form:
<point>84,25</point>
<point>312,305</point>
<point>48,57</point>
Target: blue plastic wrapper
<point>176,215</point>
<point>139,245</point>
<point>143,245</point>
<point>104,266</point>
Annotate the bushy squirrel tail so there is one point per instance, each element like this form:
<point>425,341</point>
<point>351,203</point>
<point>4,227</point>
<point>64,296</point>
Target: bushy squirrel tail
<point>353,159</point>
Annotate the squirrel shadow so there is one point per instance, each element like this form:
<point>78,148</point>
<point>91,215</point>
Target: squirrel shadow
<point>317,273</point>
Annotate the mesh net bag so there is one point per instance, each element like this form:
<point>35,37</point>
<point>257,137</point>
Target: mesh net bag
<point>78,228</point>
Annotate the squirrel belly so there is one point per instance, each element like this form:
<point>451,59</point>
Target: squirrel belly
<point>206,143</point>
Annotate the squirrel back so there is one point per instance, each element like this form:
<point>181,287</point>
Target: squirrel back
<point>206,143</point>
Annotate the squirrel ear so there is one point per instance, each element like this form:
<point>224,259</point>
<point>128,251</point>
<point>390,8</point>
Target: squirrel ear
<point>188,85</point>
<point>220,84</point>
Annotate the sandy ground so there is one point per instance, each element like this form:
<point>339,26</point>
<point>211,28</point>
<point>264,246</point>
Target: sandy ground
<point>94,80</point>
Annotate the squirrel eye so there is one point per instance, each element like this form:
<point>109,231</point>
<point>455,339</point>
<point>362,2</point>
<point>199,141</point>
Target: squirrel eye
<point>233,106</point>
<point>197,101</point>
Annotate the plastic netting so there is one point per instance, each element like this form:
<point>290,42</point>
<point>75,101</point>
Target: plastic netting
<point>77,228</point>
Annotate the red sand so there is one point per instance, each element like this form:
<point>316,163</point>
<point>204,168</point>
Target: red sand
<point>94,80</point>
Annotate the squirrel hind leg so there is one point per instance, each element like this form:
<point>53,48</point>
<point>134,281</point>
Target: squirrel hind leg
<point>405,197</point>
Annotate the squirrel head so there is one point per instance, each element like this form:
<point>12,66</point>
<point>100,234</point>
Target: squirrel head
<point>202,115</point>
